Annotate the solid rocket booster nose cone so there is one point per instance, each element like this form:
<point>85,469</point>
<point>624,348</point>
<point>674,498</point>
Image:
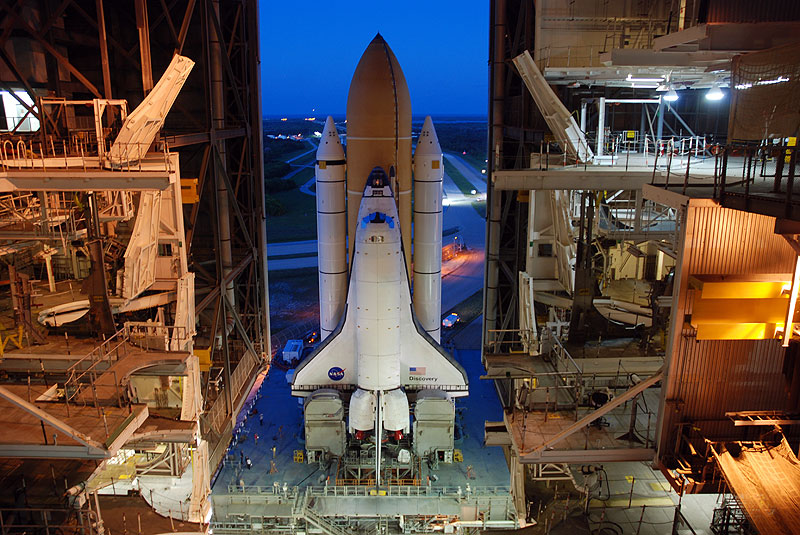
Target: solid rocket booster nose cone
<point>330,145</point>
<point>428,142</point>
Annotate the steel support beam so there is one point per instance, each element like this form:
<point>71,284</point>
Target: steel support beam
<point>55,53</point>
<point>101,31</point>
<point>574,179</point>
<point>91,444</point>
<point>34,451</point>
<point>591,456</point>
<point>143,27</point>
<point>536,454</point>
<point>79,180</point>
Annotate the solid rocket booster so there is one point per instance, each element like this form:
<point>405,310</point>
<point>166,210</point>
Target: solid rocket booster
<point>428,175</point>
<point>331,228</point>
<point>379,133</point>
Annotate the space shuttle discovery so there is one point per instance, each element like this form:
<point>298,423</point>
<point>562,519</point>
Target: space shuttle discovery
<point>379,345</point>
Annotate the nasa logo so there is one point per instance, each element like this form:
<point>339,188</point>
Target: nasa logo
<point>336,373</point>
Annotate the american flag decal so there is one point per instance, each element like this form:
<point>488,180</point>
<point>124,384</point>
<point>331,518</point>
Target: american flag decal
<point>416,370</point>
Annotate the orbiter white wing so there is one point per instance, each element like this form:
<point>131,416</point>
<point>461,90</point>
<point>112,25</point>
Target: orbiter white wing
<point>331,365</point>
<point>425,365</point>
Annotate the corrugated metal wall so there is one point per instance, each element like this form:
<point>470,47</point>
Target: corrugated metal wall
<point>710,377</point>
<point>749,11</point>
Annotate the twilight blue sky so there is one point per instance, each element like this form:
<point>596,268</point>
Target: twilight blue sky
<point>309,50</point>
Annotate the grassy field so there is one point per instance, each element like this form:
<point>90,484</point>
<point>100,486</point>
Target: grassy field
<point>300,221</point>
<point>294,153</point>
<point>480,207</point>
<point>293,297</point>
<point>308,158</point>
<point>465,186</point>
<point>475,160</point>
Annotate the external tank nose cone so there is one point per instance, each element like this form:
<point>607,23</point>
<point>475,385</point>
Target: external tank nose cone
<point>330,145</point>
<point>428,142</point>
<point>379,133</point>
<point>378,103</point>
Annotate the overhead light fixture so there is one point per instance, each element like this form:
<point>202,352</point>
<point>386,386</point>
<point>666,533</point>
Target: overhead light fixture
<point>662,87</point>
<point>630,78</point>
<point>671,95</point>
<point>715,93</point>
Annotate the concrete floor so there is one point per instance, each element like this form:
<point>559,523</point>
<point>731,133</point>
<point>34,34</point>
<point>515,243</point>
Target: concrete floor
<point>652,502</point>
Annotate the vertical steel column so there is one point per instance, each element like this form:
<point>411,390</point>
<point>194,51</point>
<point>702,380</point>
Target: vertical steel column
<point>101,30</point>
<point>601,125</point>
<point>143,26</point>
<point>494,198</point>
<point>257,152</point>
<point>220,164</point>
<point>660,123</point>
<point>584,115</point>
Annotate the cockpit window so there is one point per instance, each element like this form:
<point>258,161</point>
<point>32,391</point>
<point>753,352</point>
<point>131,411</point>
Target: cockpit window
<point>377,178</point>
<point>377,217</point>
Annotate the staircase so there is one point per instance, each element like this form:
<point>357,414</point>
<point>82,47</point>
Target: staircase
<point>320,522</point>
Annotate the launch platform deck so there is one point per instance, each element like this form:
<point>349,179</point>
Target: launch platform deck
<point>68,429</point>
<point>482,467</point>
<point>617,438</point>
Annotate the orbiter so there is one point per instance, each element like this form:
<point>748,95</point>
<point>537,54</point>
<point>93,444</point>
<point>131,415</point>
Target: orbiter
<point>378,344</point>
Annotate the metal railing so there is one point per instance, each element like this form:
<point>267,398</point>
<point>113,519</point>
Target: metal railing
<point>49,521</point>
<point>107,352</point>
<point>505,341</point>
<point>365,490</point>
<point>84,372</point>
<point>570,56</point>
<point>764,180</point>
<point>218,416</point>
<point>125,157</point>
<point>153,336</point>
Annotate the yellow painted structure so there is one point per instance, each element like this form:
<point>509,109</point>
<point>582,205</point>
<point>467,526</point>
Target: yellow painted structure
<point>740,310</point>
<point>743,290</point>
<point>204,359</point>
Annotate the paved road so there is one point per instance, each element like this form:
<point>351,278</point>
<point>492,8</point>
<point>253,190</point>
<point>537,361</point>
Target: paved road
<point>467,278</point>
<point>313,148</point>
<point>469,172</point>
<point>300,167</point>
<point>291,248</point>
<point>306,188</point>
<point>277,264</point>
